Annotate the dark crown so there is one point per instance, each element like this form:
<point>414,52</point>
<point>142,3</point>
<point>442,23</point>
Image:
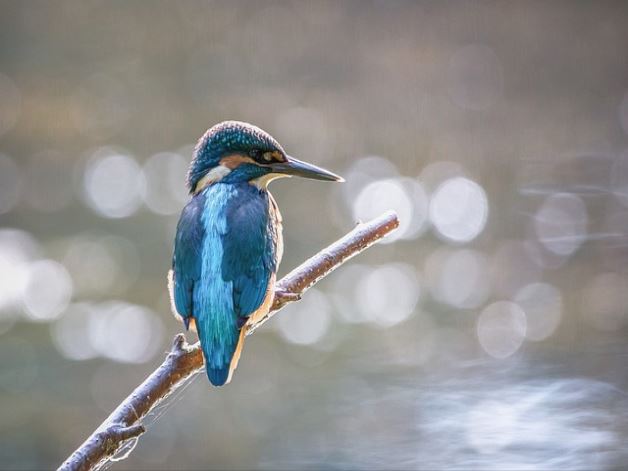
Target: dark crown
<point>228,137</point>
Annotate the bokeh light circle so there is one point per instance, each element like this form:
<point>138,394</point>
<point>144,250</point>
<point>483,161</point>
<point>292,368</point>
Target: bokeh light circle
<point>406,197</point>
<point>561,223</point>
<point>345,291</point>
<point>69,333</point>
<point>458,277</point>
<point>17,249</point>
<point>114,184</point>
<point>306,322</point>
<point>459,209</point>
<point>123,332</point>
<point>365,170</point>
<point>388,294</point>
<point>102,265</point>
<point>542,304</point>
<point>48,290</point>
<point>501,329</point>
<point>381,196</point>
<point>165,175</point>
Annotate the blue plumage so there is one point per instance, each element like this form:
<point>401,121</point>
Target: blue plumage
<point>227,279</point>
<point>228,243</point>
<point>250,248</point>
<point>186,261</point>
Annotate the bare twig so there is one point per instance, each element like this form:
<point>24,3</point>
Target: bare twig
<point>184,360</point>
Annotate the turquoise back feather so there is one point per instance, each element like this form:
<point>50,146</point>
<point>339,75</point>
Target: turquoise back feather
<point>216,322</point>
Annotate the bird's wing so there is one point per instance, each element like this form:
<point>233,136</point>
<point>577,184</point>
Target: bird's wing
<point>186,261</point>
<point>250,251</point>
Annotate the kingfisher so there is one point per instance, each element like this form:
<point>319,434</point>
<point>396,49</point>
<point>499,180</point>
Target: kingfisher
<point>229,243</point>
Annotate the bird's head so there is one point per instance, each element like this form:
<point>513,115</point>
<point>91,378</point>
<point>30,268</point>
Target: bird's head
<point>233,151</point>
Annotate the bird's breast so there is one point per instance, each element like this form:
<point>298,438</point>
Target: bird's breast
<point>277,227</point>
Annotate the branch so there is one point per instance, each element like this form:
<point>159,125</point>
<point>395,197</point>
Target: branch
<point>184,360</point>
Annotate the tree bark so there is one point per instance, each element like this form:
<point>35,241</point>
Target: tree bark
<point>184,360</point>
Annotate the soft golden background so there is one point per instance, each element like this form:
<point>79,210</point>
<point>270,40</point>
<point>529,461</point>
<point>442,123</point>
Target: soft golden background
<point>490,335</point>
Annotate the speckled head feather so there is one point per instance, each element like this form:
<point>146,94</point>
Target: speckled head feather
<point>228,137</point>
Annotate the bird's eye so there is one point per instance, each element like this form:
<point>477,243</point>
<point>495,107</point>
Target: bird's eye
<point>268,156</point>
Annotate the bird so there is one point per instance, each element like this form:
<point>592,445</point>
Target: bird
<point>228,242</point>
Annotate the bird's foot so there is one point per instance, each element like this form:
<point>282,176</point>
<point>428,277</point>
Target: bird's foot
<point>283,297</point>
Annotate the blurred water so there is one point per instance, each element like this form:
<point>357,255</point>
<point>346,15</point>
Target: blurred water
<point>482,416</point>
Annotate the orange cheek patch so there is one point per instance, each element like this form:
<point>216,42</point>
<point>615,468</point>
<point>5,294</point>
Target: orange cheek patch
<point>233,161</point>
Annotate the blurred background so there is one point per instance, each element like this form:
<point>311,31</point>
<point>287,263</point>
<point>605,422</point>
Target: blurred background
<point>490,332</point>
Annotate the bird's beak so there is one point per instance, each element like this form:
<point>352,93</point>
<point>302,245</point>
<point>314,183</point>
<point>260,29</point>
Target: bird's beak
<point>298,168</point>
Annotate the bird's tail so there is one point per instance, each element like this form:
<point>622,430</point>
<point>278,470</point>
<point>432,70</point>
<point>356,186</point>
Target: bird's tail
<point>217,376</point>
<point>219,347</point>
<point>223,375</point>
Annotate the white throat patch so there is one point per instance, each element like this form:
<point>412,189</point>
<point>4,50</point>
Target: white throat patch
<point>214,175</point>
<point>262,182</point>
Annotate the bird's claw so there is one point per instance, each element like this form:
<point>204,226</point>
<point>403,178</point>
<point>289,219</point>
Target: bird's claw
<point>284,297</point>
